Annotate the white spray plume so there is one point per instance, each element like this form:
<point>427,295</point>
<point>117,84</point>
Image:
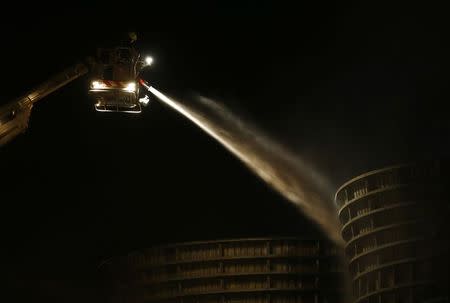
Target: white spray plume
<point>277,166</point>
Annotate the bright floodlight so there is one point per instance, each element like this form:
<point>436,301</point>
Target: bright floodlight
<point>97,85</point>
<point>148,60</point>
<point>131,87</point>
<point>144,100</point>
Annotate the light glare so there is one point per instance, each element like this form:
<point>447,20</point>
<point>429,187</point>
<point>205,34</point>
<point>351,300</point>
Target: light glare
<point>145,100</point>
<point>98,85</point>
<point>148,60</point>
<point>131,87</point>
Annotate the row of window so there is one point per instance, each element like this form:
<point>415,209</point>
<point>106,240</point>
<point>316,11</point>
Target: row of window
<point>392,276</point>
<point>202,269</point>
<point>217,285</point>
<point>402,175</point>
<point>395,234</point>
<point>403,295</point>
<point>293,298</point>
<point>407,250</point>
<point>378,201</point>
<point>362,211</point>
<point>236,250</point>
<point>387,199</point>
<point>394,216</point>
<point>404,217</point>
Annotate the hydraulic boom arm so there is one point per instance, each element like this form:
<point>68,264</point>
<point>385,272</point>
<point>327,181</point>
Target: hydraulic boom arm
<point>14,115</point>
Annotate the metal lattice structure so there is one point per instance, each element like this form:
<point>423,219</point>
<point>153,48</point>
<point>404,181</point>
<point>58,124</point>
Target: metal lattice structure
<point>262,270</point>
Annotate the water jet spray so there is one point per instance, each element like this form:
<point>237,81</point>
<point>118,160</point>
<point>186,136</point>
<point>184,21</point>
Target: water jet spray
<point>278,167</point>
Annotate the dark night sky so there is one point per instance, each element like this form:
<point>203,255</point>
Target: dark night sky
<point>347,88</point>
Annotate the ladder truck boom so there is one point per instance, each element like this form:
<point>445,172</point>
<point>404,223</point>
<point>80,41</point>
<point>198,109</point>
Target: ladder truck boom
<point>14,115</point>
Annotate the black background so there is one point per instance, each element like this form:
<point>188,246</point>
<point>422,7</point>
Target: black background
<point>348,88</point>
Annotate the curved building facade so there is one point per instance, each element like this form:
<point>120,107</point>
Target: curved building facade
<point>260,270</point>
<point>391,223</point>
